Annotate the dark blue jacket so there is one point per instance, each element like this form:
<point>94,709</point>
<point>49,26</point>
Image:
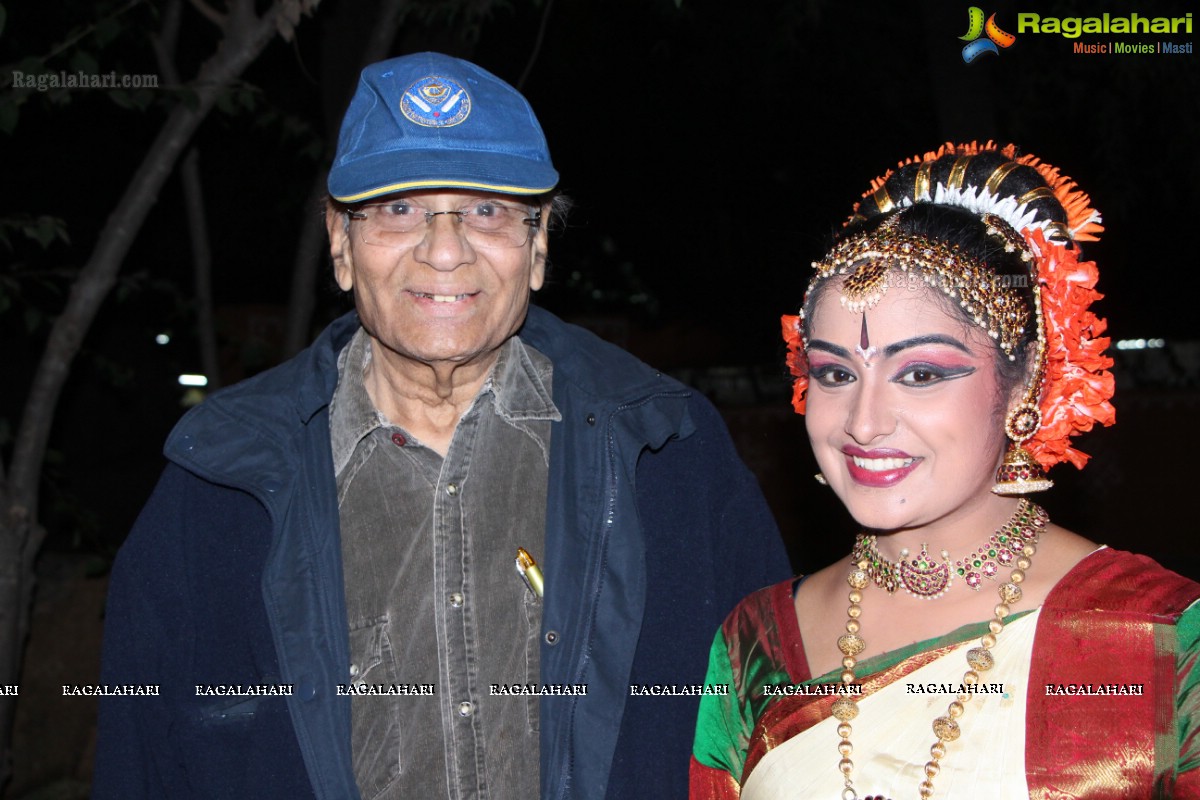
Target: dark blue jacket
<point>232,575</point>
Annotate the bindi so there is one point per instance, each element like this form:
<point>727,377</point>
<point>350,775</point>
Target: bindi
<point>864,349</point>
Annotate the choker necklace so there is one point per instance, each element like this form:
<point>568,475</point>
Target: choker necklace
<point>929,578</point>
<point>979,659</point>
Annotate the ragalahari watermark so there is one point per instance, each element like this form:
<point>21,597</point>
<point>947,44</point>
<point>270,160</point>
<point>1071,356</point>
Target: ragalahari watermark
<point>45,81</point>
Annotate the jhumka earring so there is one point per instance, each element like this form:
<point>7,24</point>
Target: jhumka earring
<point>1020,473</point>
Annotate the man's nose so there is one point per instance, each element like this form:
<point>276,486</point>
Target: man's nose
<point>445,245</point>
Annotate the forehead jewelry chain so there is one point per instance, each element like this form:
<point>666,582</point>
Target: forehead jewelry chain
<point>979,659</point>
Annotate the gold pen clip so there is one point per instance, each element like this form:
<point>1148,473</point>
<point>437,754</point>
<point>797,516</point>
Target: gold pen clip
<point>528,569</point>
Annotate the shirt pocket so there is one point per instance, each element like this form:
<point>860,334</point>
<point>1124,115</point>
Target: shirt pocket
<point>375,718</point>
<point>533,643</point>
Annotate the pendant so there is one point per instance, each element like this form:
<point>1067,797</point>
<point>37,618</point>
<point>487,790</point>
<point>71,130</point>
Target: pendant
<point>923,576</point>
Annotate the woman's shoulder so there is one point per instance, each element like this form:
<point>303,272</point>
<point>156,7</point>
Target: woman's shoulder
<point>760,609</point>
<point>763,625</point>
<point>1118,581</point>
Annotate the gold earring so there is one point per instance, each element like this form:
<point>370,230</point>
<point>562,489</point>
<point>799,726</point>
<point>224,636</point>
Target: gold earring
<point>1020,473</point>
<point>820,478</point>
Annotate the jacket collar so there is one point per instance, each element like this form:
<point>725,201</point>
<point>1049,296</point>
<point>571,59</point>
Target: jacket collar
<point>610,380</point>
<point>242,434</point>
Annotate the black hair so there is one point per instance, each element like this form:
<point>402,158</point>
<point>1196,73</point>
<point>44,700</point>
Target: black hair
<point>964,230</point>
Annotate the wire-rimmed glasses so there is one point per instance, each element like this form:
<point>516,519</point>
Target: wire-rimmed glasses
<point>486,222</point>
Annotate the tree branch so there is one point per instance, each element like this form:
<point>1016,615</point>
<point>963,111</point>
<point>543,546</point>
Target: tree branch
<point>245,38</point>
<point>537,46</point>
<point>209,13</point>
<point>55,50</point>
<point>21,537</point>
<point>310,249</point>
<point>193,197</point>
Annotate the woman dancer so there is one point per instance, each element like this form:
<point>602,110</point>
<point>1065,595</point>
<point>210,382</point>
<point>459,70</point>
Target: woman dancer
<point>966,646</point>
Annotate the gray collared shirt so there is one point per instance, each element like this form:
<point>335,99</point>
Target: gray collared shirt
<point>432,594</point>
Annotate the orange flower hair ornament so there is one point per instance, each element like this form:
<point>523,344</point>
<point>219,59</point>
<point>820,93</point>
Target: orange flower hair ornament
<point>1072,387</point>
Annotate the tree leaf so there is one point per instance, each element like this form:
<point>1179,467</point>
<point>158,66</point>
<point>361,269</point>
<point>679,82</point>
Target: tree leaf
<point>143,98</point>
<point>106,31</point>
<point>31,65</point>
<point>189,98</point>
<point>82,61</point>
<point>247,98</point>
<point>50,229</point>
<point>122,98</point>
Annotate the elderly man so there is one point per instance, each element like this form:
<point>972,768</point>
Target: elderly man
<point>334,584</point>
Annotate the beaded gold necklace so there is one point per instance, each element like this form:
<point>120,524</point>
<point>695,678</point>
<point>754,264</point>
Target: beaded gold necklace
<point>929,578</point>
<point>1030,520</point>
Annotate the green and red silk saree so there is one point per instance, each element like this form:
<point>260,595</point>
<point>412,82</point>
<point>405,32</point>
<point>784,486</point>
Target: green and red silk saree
<point>1115,625</point>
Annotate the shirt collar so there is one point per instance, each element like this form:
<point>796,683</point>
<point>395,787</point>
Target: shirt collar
<point>519,387</point>
<point>521,383</point>
<point>352,415</point>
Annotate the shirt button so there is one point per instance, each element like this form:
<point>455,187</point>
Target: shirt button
<point>551,637</point>
<point>399,440</point>
<point>452,489</point>
<point>466,708</point>
<point>591,419</point>
<point>353,670</point>
<point>456,599</point>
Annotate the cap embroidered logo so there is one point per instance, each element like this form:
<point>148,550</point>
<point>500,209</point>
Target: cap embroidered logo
<point>435,102</point>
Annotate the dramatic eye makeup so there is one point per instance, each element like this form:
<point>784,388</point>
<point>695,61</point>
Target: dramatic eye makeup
<point>920,369</point>
<point>830,373</point>
<point>925,373</point>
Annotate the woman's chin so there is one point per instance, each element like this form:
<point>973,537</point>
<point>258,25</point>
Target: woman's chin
<point>879,510</point>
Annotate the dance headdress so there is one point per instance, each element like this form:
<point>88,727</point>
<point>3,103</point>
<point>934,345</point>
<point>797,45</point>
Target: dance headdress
<point>1036,214</point>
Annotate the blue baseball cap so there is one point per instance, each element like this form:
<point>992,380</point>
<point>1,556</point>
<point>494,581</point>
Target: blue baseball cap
<point>429,121</point>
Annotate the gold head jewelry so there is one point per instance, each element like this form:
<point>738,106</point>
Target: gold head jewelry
<point>868,261</point>
<point>993,301</point>
<point>1069,381</point>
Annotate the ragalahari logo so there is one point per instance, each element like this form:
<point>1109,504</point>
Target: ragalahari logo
<point>976,27</point>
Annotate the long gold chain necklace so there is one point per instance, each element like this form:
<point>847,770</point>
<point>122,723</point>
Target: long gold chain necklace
<point>1027,523</point>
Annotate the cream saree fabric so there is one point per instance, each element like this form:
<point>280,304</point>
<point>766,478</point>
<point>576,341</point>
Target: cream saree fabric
<point>893,733</point>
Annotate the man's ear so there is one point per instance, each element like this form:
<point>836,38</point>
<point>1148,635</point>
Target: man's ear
<point>338,226</point>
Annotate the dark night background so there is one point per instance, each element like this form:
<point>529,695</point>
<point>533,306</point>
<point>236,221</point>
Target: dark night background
<point>711,148</point>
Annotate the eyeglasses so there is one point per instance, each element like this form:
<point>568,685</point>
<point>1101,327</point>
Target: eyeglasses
<point>486,223</point>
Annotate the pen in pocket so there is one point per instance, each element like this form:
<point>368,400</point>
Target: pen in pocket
<point>528,569</point>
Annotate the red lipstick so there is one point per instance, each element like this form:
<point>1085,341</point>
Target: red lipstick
<point>888,466</point>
